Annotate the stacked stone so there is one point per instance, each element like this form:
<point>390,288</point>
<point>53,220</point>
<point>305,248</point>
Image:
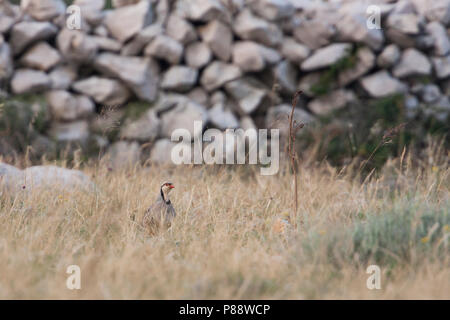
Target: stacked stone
<point>228,63</point>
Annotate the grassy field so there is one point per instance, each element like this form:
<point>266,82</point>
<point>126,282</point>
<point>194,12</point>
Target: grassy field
<point>227,241</point>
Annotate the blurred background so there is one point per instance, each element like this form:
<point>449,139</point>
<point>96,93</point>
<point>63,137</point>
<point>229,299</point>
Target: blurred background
<point>117,77</point>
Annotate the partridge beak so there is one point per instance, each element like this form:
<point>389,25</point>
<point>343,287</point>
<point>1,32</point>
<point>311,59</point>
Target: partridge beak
<point>172,186</point>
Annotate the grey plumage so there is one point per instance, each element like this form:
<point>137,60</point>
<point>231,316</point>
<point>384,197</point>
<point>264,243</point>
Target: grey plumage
<point>162,212</point>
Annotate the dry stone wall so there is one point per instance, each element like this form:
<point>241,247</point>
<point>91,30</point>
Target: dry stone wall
<point>228,63</point>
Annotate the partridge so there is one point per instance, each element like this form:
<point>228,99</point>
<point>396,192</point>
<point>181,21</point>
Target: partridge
<point>161,213</point>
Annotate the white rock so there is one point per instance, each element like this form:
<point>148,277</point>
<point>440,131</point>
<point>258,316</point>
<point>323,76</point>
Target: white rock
<point>162,151</point>
<point>179,78</point>
<point>217,74</point>
<point>219,38</point>
<point>67,107</point>
<point>62,77</point>
<point>205,10</point>
<point>135,46</point>
<point>104,91</point>
<point>123,154</point>
<point>75,46</point>
<point>249,27</point>
<point>365,60</point>
<point>251,56</point>
<point>183,116</point>
<point>285,74</point>
<point>249,93</point>
<point>430,93</point>
<point>294,51</point>
<point>278,118</point>
<point>406,23</point>
<point>28,32</point>
<point>165,48</point>
<point>43,9</point>
<point>272,9</point>
<point>91,10</point>
<point>56,177</point>
<point>70,131</point>
<point>412,62</point>
<point>442,66</point>
<point>352,27</point>
<point>389,56</point>
<point>6,62</point>
<point>382,84</point>
<point>106,44</point>
<point>139,74</point>
<point>314,33</point>
<point>436,10</point>
<point>125,22</point>
<point>146,128</point>
<point>440,37</point>
<point>222,117</point>
<point>11,178</point>
<point>180,30</point>
<point>332,101</point>
<point>199,95</point>
<point>326,56</point>
<point>198,54</point>
<point>123,3</point>
<point>41,56</point>
<point>29,81</point>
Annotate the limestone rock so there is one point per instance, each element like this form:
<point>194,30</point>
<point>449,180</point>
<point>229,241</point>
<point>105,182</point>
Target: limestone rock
<point>28,32</point>
<point>166,48</point>
<point>41,56</point>
<point>389,56</point>
<point>382,84</point>
<point>137,73</point>
<point>70,131</point>
<point>135,46</point>
<point>406,23</point>
<point>67,107</point>
<point>179,78</point>
<point>162,151</point>
<point>180,30</point>
<point>249,93</point>
<point>294,51</point>
<point>440,37</point>
<point>198,54</point>
<point>249,27</point>
<point>251,56</point>
<point>314,33</point>
<point>326,56</point>
<point>146,128</point>
<point>442,66</point>
<point>75,46</point>
<point>6,62</point>
<point>217,74</point>
<point>29,81</point>
<point>412,62</point>
<point>105,91</point>
<point>272,9</point>
<point>219,38</point>
<point>183,116</point>
<point>365,60</point>
<point>62,77</point>
<point>125,22</point>
<point>43,9</point>
<point>333,101</point>
<point>123,154</point>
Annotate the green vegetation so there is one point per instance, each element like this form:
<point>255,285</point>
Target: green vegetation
<point>330,76</point>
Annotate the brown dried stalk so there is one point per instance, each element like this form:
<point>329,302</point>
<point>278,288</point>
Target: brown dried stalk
<point>293,128</point>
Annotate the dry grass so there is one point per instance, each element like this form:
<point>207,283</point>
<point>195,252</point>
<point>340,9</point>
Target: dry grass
<point>223,245</point>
